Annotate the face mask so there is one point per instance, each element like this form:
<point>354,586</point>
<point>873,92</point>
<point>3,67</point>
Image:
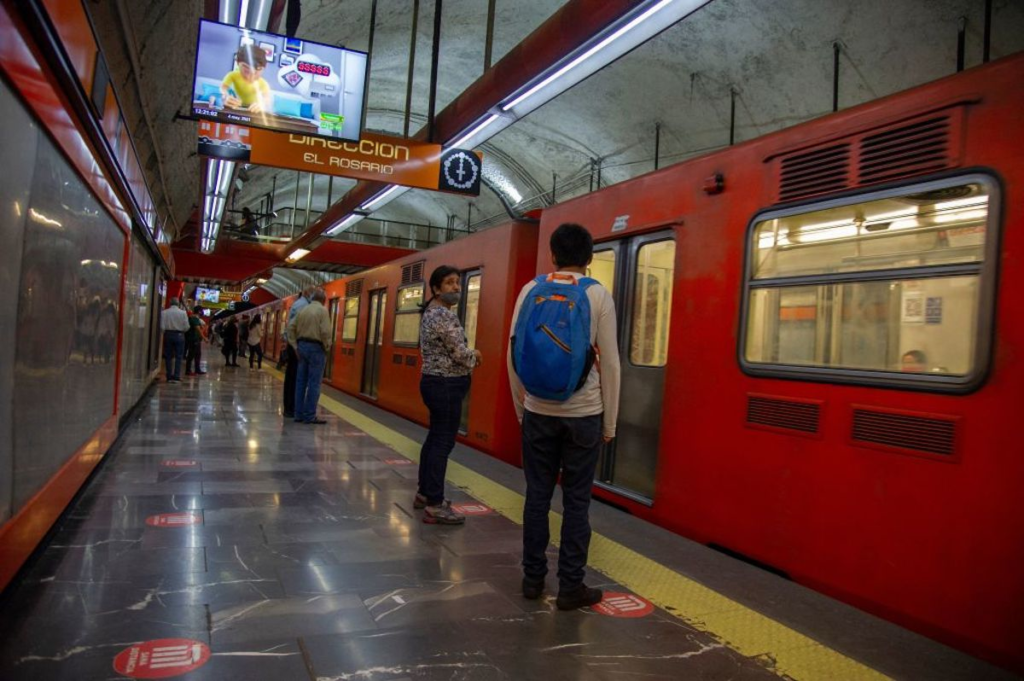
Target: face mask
<point>450,298</point>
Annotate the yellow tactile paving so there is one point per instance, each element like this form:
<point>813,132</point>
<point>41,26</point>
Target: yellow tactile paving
<point>783,650</point>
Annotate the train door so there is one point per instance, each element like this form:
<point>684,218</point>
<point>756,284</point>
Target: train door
<point>469,311</point>
<point>639,273</point>
<point>333,309</point>
<point>374,341</point>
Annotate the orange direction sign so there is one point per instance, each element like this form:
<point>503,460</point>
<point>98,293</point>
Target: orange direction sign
<point>378,158</point>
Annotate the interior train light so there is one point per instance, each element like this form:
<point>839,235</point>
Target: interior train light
<point>814,233</point>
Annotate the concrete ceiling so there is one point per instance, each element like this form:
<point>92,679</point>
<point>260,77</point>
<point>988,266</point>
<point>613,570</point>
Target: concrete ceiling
<point>777,55</point>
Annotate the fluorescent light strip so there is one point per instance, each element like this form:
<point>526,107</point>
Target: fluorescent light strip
<point>220,171</point>
<point>344,224</point>
<point>462,140</point>
<point>225,182</point>
<point>380,197</point>
<point>243,12</point>
<point>589,53</point>
<point>211,175</point>
<point>297,254</point>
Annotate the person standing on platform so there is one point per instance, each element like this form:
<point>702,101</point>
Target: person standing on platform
<point>444,384</point>
<point>312,332</point>
<point>230,337</point>
<point>291,367</point>
<point>174,322</point>
<point>255,340</point>
<point>194,343</point>
<point>243,335</point>
<point>563,367</point>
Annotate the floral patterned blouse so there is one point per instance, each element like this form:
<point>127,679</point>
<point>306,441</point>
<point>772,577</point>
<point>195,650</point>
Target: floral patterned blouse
<point>443,344</point>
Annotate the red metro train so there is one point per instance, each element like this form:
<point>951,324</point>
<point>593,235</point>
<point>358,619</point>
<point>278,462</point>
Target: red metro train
<point>818,339</point>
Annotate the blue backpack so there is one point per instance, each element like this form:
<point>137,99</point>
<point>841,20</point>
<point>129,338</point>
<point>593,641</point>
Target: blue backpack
<point>551,350</point>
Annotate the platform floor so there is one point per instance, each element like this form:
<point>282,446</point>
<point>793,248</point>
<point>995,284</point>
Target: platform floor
<point>221,541</point>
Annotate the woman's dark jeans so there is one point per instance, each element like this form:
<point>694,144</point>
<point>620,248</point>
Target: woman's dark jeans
<point>253,351</point>
<point>443,396</point>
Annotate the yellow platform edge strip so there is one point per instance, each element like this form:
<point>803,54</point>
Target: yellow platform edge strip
<point>781,649</point>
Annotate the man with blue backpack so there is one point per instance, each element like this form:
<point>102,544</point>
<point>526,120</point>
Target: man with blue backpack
<point>563,366</point>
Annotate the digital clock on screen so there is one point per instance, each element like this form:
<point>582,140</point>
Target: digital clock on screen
<point>315,69</point>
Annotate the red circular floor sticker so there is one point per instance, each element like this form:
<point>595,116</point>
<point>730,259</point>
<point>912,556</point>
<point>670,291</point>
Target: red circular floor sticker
<point>180,463</point>
<point>183,519</point>
<point>624,605</point>
<point>162,658</point>
<point>397,462</point>
<point>472,509</point>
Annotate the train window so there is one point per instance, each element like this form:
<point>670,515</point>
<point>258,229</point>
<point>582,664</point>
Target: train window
<point>652,303</point>
<point>407,315</point>
<point>350,321</point>
<point>602,268</point>
<point>888,290</point>
<point>472,308</point>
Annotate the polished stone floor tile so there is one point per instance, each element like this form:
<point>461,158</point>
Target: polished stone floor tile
<point>356,578</point>
<point>326,614</point>
<point>305,560</point>
<point>254,660</point>
<point>263,560</point>
<point>435,653</point>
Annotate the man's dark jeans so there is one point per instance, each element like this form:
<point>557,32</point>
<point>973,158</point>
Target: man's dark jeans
<point>193,356</point>
<point>291,370</point>
<point>443,396</point>
<point>174,348</point>
<point>553,445</point>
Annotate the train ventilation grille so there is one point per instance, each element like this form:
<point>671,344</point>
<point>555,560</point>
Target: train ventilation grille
<point>919,147</point>
<point>353,289</point>
<point>815,172</point>
<point>917,433</point>
<point>412,273</point>
<point>804,417</point>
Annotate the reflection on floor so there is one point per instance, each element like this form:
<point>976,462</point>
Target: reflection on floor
<point>248,546</point>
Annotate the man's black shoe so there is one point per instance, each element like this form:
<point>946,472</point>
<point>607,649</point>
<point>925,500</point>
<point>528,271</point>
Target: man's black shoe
<point>581,597</point>
<point>316,421</point>
<point>531,589</point>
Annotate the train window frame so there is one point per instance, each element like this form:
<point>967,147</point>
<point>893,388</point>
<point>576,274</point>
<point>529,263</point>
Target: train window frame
<point>345,316</point>
<point>987,272</point>
<point>399,312</point>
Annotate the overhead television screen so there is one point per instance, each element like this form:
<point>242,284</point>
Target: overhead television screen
<point>207,295</point>
<point>266,80</point>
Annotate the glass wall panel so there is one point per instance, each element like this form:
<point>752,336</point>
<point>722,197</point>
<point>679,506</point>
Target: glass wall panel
<point>67,322</point>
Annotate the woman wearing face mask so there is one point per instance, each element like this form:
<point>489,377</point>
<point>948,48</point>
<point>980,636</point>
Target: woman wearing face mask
<point>447,364</point>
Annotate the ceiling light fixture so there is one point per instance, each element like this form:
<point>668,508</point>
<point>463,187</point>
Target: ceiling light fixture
<point>643,24</point>
<point>344,224</point>
<point>646,21</point>
<point>462,141</point>
<point>383,197</point>
<point>297,255</point>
